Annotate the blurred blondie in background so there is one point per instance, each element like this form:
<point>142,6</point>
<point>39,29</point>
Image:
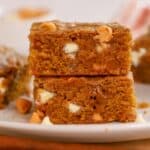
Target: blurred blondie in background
<point>17,16</point>
<point>136,15</point>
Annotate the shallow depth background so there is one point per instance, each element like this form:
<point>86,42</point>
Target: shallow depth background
<point>14,34</point>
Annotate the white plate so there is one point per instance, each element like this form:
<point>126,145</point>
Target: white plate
<point>12,123</point>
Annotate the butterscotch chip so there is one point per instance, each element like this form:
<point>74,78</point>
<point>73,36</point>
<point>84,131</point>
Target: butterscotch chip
<point>29,13</point>
<point>97,117</point>
<point>105,33</point>
<point>99,48</point>
<point>141,58</point>
<point>41,114</point>
<point>23,105</point>
<point>35,118</point>
<point>4,82</point>
<point>96,67</point>
<point>48,26</point>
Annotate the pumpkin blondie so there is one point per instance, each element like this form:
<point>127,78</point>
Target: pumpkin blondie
<point>59,49</point>
<point>67,100</point>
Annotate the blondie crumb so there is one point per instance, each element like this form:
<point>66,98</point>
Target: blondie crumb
<point>23,105</point>
<point>36,117</point>
<point>30,13</point>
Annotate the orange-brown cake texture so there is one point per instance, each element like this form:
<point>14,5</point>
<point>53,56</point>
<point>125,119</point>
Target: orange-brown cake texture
<point>141,58</point>
<point>60,49</point>
<point>67,100</point>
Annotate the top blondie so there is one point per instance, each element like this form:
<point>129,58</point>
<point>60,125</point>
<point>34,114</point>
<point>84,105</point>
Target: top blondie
<point>76,49</point>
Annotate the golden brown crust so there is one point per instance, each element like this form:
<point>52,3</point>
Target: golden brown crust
<point>86,100</point>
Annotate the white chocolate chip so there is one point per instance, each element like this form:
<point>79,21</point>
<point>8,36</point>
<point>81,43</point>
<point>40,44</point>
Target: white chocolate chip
<point>136,55</point>
<point>71,49</point>
<point>45,96</point>
<point>73,108</point>
<point>3,87</point>
<point>48,26</point>
<point>46,121</point>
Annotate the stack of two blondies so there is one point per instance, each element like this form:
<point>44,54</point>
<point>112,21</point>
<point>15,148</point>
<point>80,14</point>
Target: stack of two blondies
<point>82,72</point>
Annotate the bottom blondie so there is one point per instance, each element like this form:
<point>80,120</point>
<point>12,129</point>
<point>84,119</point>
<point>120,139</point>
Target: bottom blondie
<point>67,100</point>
